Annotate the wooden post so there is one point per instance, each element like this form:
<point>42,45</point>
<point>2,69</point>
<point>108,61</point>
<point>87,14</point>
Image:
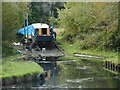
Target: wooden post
<point>118,67</point>
<point>113,67</point>
<point>106,64</point>
<point>110,66</point>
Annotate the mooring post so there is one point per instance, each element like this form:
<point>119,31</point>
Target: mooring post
<point>106,64</point>
<point>113,66</point>
<point>116,67</point>
<point>110,65</point>
<point>119,68</point>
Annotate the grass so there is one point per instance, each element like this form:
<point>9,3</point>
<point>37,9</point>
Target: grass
<point>18,67</point>
<point>70,49</point>
<point>114,72</point>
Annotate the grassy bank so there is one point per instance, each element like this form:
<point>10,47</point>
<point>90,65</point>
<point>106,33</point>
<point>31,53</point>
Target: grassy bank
<point>70,49</point>
<point>11,66</point>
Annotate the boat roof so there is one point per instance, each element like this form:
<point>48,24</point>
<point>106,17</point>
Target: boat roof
<point>40,25</point>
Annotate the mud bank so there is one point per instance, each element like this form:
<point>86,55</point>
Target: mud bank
<point>24,78</point>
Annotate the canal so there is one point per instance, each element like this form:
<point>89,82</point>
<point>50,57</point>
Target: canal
<point>71,74</point>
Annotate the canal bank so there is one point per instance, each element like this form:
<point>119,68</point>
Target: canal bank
<point>75,70</point>
<point>66,72</point>
<point>94,55</point>
<point>71,74</point>
<point>18,70</point>
<point>22,79</point>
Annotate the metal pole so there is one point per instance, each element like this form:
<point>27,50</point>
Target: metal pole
<point>53,14</point>
<point>27,23</point>
<point>24,25</point>
<point>53,19</point>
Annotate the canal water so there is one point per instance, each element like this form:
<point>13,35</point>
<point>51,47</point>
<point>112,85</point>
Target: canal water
<point>66,75</point>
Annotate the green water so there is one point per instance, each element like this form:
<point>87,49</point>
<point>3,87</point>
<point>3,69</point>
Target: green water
<point>72,74</point>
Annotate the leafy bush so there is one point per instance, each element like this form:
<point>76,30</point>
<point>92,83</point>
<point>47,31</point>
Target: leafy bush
<point>12,19</point>
<point>95,24</point>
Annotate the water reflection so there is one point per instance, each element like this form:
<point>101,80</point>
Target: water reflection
<point>72,74</point>
<point>51,68</point>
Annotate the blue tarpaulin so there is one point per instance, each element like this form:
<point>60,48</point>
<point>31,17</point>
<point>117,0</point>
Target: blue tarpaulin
<point>27,30</point>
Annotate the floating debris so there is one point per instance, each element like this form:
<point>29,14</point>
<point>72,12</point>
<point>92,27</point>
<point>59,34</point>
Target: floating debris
<point>86,56</point>
<point>81,67</point>
<point>78,80</point>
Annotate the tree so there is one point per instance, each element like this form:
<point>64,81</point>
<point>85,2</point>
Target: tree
<point>42,11</point>
<point>93,24</point>
<point>12,19</point>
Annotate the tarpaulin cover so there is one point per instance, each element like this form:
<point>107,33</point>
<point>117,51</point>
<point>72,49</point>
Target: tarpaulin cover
<point>26,30</point>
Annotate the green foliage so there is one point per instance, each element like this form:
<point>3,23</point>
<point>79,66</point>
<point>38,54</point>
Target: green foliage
<point>92,24</point>
<point>6,49</point>
<point>70,49</point>
<point>12,19</point>
<point>53,21</point>
<point>43,11</point>
<point>38,12</point>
